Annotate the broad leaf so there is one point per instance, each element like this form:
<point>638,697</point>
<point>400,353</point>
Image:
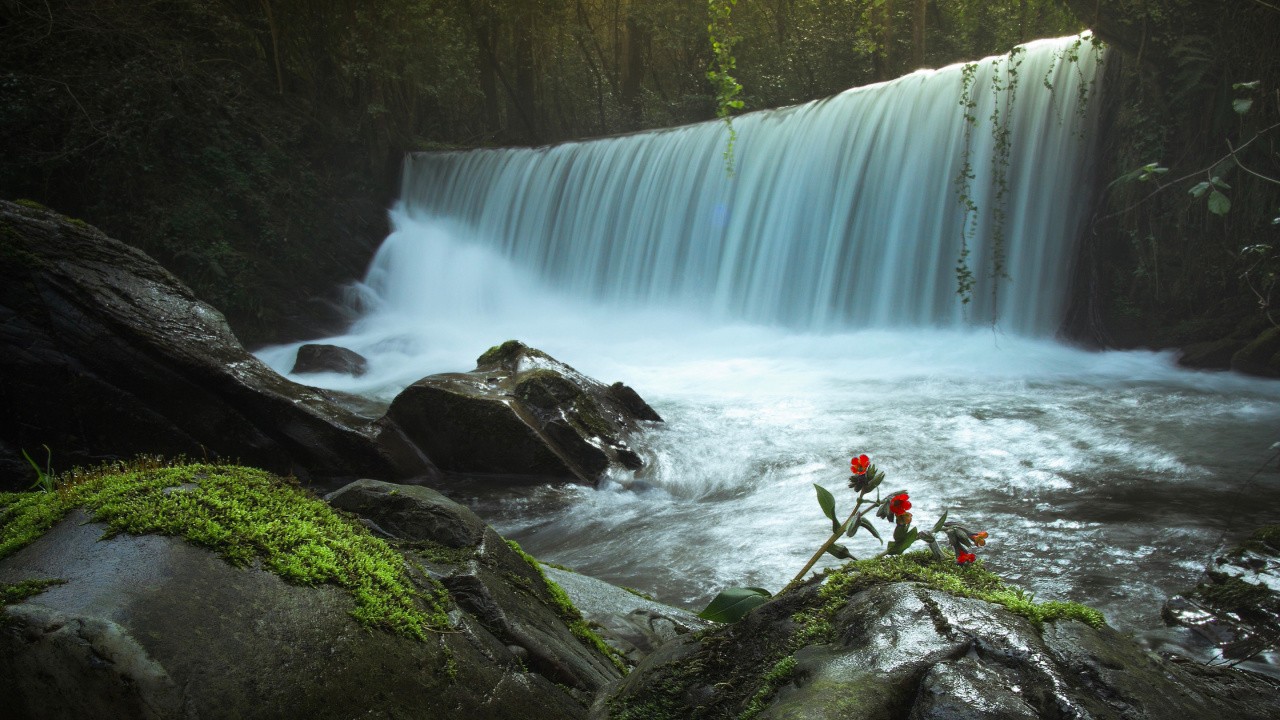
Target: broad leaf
<point>1241,105</point>
<point>828,503</point>
<point>733,603</point>
<point>1219,204</point>
<point>1199,189</point>
<point>1247,86</point>
<point>1219,182</point>
<point>866,523</point>
<point>899,547</point>
<point>839,552</point>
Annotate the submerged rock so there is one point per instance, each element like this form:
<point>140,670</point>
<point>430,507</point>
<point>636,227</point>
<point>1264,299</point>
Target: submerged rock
<point>313,358</point>
<point>104,355</point>
<point>841,648</point>
<point>522,412</point>
<point>1237,606</point>
<point>151,626</point>
<point>634,625</point>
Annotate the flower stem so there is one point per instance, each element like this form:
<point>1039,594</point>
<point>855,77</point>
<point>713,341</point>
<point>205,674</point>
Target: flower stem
<point>854,517</point>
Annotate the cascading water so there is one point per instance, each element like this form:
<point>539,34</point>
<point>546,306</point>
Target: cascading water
<point>805,310</point>
<point>842,212</point>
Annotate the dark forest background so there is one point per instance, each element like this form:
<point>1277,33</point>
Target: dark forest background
<point>252,146</point>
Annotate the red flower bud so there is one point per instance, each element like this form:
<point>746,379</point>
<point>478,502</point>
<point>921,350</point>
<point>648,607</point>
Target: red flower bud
<point>979,539</point>
<point>904,518</point>
<point>859,464</point>
<point>899,504</point>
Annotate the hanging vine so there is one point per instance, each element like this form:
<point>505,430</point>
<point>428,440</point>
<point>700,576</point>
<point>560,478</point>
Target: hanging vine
<point>964,187</point>
<point>1002,134</point>
<point>726,87</point>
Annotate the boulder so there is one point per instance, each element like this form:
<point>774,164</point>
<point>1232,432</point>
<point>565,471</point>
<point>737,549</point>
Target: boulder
<point>1260,357</point>
<point>493,581</point>
<point>313,358</point>
<point>634,625</point>
<point>1237,605</point>
<point>522,412</point>
<point>834,648</point>
<point>154,627</point>
<point>105,355</point>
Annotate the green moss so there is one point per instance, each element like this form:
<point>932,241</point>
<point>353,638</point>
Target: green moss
<point>777,676</point>
<point>637,593</point>
<point>434,552</point>
<point>1232,594</point>
<point>76,221</point>
<point>29,204</point>
<point>544,388</point>
<point>1264,541</point>
<point>568,613</point>
<point>967,581</point>
<point>12,249</point>
<point>242,514</point>
<point>559,567</point>
<point>14,593</point>
<point>505,352</point>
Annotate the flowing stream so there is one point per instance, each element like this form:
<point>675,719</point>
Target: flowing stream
<point>805,310</point>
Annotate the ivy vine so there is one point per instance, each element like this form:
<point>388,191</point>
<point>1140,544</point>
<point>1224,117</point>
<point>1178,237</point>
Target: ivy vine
<point>726,87</point>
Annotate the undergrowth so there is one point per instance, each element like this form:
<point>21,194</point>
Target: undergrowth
<point>243,514</point>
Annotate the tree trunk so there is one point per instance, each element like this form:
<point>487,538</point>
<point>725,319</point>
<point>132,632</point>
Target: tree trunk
<point>526,94</point>
<point>634,44</point>
<point>486,29</point>
<point>918,39</point>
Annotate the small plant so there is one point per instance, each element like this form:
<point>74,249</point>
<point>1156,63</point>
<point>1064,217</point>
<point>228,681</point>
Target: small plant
<point>733,603</point>
<point>44,478</point>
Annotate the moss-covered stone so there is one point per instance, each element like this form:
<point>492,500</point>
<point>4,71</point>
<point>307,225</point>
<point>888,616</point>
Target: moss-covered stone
<point>244,515</point>
<point>1260,357</point>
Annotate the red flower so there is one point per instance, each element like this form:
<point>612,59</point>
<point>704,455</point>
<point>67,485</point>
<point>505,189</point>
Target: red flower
<point>979,539</point>
<point>860,464</point>
<point>965,558</point>
<point>899,504</point>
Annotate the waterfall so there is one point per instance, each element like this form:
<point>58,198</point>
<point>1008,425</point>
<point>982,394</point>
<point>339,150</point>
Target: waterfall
<point>842,214</point>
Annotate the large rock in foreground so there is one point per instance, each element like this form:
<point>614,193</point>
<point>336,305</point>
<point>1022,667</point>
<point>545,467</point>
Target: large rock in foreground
<point>848,650</point>
<point>522,412</point>
<point>150,626</point>
<point>104,355</point>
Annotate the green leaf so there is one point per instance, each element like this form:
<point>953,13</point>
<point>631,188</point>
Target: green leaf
<point>877,477</point>
<point>828,503</point>
<point>937,550</point>
<point>938,525</point>
<point>839,551</point>
<point>865,522</point>
<point>1247,86</point>
<point>899,547</point>
<point>1241,105</point>
<point>1219,204</point>
<point>1220,183</point>
<point>1199,189</point>
<point>733,603</point>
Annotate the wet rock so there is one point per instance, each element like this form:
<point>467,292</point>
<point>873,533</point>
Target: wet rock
<point>502,589</point>
<point>522,412</point>
<point>313,358</point>
<point>105,355</point>
<point>906,650</point>
<point>153,627</point>
<point>1260,357</point>
<point>410,512</point>
<point>1214,355</point>
<point>1236,607</point>
<point>632,625</point>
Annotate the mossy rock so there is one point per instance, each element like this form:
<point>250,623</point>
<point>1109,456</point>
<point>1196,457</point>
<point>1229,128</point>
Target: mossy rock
<point>522,412</point>
<point>1260,357</point>
<point>217,591</point>
<point>915,637</point>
